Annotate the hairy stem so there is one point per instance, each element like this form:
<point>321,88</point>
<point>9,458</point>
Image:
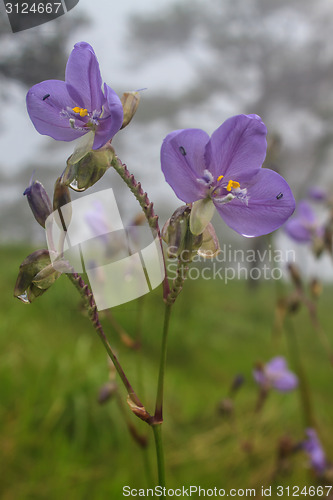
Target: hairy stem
<point>146,205</point>
<point>89,300</point>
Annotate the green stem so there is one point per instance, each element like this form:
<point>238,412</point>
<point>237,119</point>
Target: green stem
<point>304,390</point>
<point>158,416</point>
<point>157,430</point>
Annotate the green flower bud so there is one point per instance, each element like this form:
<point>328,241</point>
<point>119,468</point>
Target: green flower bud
<point>39,202</point>
<point>35,276</point>
<point>89,169</point>
<point>62,197</point>
<point>176,233</point>
<point>210,246</point>
<point>130,102</point>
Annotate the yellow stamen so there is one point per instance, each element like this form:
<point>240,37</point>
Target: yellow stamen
<point>232,184</point>
<point>219,178</point>
<point>81,111</point>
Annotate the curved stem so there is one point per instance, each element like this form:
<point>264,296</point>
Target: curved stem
<point>135,403</point>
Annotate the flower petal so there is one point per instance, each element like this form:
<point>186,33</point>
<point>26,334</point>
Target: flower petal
<point>287,381</point>
<point>83,74</point>
<point>112,118</point>
<point>277,364</point>
<point>182,160</point>
<point>237,149</point>
<point>297,231</point>
<point>270,204</point>
<point>45,103</point>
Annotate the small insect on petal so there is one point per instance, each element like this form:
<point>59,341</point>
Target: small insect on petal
<point>279,196</point>
<point>182,150</point>
<point>46,96</point>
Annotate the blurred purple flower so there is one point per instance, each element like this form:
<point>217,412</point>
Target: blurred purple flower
<point>317,193</point>
<point>276,374</point>
<point>315,451</point>
<point>225,171</point>
<point>68,110</point>
<point>304,227</point>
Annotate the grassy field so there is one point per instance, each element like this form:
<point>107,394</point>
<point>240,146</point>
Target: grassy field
<point>57,442</point>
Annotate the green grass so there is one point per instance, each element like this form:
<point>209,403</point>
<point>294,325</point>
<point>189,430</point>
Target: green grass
<point>58,442</point>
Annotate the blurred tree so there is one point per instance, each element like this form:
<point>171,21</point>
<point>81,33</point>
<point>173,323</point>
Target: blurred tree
<point>39,53</point>
<point>272,58</point>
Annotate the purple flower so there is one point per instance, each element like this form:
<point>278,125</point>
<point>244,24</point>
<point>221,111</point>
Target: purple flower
<point>276,374</point>
<point>317,193</point>
<point>68,110</point>
<point>315,451</point>
<point>225,172</point>
<point>304,227</point>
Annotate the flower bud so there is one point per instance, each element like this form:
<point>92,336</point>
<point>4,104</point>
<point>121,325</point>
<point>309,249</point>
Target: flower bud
<point>316,288</point>
<point>130,102</point>
<point>237,383</point>
<point>176,233</point>
<point>106,392</point>
<point>89,169</point>
<point>35,276</point>
<point>210,246</point>
<point>226,407</point>
<point>39,202</point>
<point>295,275</point>
<point>62,197</point>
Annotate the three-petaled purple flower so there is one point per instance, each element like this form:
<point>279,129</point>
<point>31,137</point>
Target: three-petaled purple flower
<point>304,227</point>
<point>276,374</point>
<point>68,110</point>
<point>225,172</point>
<point>315,451</point>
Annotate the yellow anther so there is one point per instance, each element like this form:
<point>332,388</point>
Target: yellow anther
<point>81,111</point>
<point>219,178</point>
<point>232,184</point>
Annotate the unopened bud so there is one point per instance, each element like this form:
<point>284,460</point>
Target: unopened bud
<point>176,233</point>
<point>318,246</point>
<point>39,202</point>
<point>295,275</point>
<point>35,276</point>
<point>328,235</point>
<point>62,197</point>
<point>316,288</point>
<point>130,102</point>
<point>225,407</point>
<point>237,383</point>
<point>106,392</point>
<point>89,169</point>
<point>210,246</point>
<point>293,302</point>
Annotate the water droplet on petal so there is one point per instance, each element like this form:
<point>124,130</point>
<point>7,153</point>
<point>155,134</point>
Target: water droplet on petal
<point>75,185</point>
<point>24,298</point>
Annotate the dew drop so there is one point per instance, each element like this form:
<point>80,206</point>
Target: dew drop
<point>24,298</point>
<point>279,196</point>
<point>182,150</point>
<point>74,185</point>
